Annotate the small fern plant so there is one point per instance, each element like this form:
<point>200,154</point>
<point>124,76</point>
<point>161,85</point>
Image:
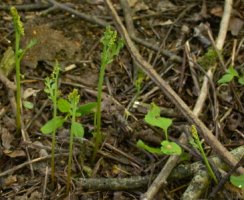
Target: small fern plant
<point>111,49</point>
<point>154,119</point>
<point>56,122</point>
<point>197,144</point>
<point>19,53</point>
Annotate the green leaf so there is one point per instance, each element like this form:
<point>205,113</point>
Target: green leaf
<point>142,145</point>
<point>77,129</point>
<point>63,105</point>
<point>86,108</point>
<point>31,44</point>
<point>225,78</point>
<point>237,181</point>
<point>170,148</point>
<point>241,80</point>
<point>229,75</point>
<point>52,125</point>
<point>28,104</point>
<point>232,71</point>
<point>153,118</point>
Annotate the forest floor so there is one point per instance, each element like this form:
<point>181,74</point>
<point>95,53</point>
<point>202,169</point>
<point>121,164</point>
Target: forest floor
<point>174,36</point>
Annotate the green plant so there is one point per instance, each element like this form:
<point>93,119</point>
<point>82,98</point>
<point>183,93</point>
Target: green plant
<point>208,59</point>
<point>237,181</point>
<point>19,53</point>
<point>229,76</point>
<point>56,122</point>
<point>153,118</point>
<point>197,144</point>
<point>111,48</point>
<point>71,110</point>
<point>138,82</point>
<point>76,129</point>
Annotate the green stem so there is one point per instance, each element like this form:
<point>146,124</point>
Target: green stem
<point>18,92</point>
<point>98,134</point>
<point>71,148</point>
<point>54,99</point>
<point>166,135</point>
<point>210,171</point>
<point>53,150</point>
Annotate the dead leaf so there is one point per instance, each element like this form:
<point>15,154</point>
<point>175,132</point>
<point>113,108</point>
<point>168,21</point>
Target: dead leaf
<point>234,120</point>
<point>132,2</point>
<point>51,45</point>
<point>42,152</point>
<point>235,25</point>
<point>35,195</point>
<point>7,63</point>
<point>138,5</point>
<point>10,180</point>
<point>217,11</point>
<point>89,77</point>
<point>15,153</point>
<point>29,92</point>
<point>165,5</point>
<point>7,138</point>
<point>10,123</point>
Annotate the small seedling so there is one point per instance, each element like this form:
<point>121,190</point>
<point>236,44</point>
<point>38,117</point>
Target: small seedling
<point>138,82</point>
<point>154,119</point>
<point>237,181</point>
<point>111,48</point>
<point>209,58</point>
<point>76,129</point>
<point>197,144</point>
<point>230,74</point>
<point>71,110</point>
<point>56,122</point>
<point>19,53</point>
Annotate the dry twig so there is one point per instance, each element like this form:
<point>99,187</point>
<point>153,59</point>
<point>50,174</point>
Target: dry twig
<point>180,172</point>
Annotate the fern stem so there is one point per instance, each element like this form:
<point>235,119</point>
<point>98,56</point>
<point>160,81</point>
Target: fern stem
<point>98,134</point>
<point>54,99</point>
<point>18,92</point>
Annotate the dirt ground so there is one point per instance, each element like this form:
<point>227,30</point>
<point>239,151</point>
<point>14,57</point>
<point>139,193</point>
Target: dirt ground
<point>172,36</point>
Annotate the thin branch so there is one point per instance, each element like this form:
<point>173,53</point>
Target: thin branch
<point>224,24</point>
<point>135,182</point>
<point>26,7</point>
